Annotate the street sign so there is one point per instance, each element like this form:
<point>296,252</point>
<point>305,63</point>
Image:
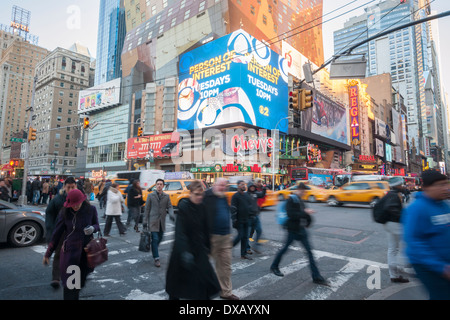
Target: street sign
<point>18,140</point>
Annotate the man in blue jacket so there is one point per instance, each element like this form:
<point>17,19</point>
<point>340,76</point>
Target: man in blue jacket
<point>427,235</point>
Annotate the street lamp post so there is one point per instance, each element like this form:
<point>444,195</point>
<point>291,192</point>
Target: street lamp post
<point>273,155</point>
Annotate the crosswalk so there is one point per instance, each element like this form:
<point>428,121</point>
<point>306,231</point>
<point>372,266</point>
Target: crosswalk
<point>130,275</point>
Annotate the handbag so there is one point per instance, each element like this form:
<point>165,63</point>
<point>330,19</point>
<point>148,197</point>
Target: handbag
<point>96,251</point>
<point>92,197</point>
<point>144,243</point>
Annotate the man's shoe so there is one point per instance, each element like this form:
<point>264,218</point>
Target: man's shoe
<point>277,272</point>
<point>246,257</point>
<point>55,284</point>
<point>230,297</point>
<point>157,263</point>
<point>399,280</point>
<point>321,281</point>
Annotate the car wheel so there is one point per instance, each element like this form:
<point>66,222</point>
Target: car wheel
<point>374,202</point>
<point>25,234</point>
<point>332,201</point>
<point>311,198</point>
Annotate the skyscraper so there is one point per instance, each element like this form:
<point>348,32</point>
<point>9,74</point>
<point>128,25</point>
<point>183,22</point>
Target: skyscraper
<point>111,36</point>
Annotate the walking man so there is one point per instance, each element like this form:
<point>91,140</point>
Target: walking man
<point>298,220</point>
<point>427,234</point>
<point>219,221</point>
<point>36,188</point>
<point>156,208</point>
<point>241,209</point>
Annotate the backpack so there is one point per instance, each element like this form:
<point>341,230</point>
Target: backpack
<point>282,216</point>
<point>380,215</point>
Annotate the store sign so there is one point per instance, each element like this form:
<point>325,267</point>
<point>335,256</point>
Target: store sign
<point>364,158</point>
<point>98,174</point>
<point>240,143</point>
<point>354,115</point>
<point>19,26</point>
<point>228,168</point>
<point>156,146</point>
<point>234,79</point>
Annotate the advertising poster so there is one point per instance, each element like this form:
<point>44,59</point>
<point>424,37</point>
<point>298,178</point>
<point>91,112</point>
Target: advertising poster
<point>379,147</point>
<point>234,79</point>
<point>156,146</point>
<point>99,97</point>
<point>326,118</point>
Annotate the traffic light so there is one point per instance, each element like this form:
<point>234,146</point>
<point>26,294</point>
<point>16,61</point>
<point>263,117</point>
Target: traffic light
<point>306,99</point>
<point>31,134</point>
<point>293,100</point>
<point>86,123</point>
<point>140,132</point>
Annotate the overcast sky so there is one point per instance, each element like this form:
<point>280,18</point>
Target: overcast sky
<point>60,23</point>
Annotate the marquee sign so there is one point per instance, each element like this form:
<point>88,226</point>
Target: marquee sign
<point>354,114</point>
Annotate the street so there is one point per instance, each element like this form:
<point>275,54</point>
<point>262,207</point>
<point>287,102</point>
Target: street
<point>347,245</point>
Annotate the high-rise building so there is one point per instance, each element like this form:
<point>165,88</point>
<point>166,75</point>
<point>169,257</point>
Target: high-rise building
<point>60,77</point>
<point>111,35</point>
<point>402,53</point>
<point>17,71</point>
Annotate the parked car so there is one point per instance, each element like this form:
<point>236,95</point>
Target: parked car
<point>359,192</point>
<point>21,226</point>
<point>311,194</point>
<point>176,189</point>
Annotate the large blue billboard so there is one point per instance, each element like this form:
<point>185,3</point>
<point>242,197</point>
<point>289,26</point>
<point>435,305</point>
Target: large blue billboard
<point>234,79</point>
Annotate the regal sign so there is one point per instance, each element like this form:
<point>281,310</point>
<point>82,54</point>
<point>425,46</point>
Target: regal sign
<point>354,114</point>
<point>364,158</point>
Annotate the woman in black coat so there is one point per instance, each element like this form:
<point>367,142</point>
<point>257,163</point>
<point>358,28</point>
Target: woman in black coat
<point>77,221</point>
<point>190,274</point>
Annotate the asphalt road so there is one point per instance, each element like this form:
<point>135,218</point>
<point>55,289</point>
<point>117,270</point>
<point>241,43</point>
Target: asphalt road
<point>348,246</point>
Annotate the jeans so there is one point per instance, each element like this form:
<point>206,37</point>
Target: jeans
<point>437,286</point>
<point>255,226</point>
<point>301,236</point>
<point>156,240</point>
<point>36,196</point>
<point>242,236</point>
<point>394,254</point>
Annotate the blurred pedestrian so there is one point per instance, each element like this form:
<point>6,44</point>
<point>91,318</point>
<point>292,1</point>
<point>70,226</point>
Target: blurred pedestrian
<point>4,193</point>
<point>36,189</point>
<point>78,221</point>
<point>219,217</point>
<point>298,220</point>
<point>134,203</point>
<point>88,188</point>
<point>51,215</point>
<point>101,200</point>
<point>114,210</point>
<point>190,274</point>
<point>427,234</point>
<point>392,204</point>
<point>156,208</point>
<point>241,209</point>
<point>45,191</point>
<point>258,193</point>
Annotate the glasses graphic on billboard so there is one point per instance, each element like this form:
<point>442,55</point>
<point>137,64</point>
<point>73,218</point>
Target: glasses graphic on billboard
<point>234,79</point>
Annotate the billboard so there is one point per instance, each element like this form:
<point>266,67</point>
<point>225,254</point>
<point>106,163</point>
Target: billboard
<point>326,118</point>
<point>234,79</point>
<point>99,97</point>
<point>156,146</point>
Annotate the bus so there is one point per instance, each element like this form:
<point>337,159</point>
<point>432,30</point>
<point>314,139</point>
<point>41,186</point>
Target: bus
<point>316,176</point>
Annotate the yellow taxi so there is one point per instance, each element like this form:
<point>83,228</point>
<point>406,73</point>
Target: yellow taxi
<point>270,199</point>
<point>176,189</point>
<point>358,192</point>
<point>122,185</point>
<point>311,194</point>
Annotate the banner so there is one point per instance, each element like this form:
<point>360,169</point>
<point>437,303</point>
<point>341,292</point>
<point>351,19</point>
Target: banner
<point>99,97</point>
<point>234,79</point>
<point>156,146</point>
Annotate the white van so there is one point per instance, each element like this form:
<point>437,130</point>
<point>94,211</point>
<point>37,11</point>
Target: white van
<point>146,177</point>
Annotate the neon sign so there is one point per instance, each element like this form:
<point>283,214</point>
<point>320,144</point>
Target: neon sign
<point>238,142</point>
<point>354,115</point>
<point>19,26</point>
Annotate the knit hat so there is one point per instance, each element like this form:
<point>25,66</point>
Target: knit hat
<point>74,198</point>
<point>431,176</point>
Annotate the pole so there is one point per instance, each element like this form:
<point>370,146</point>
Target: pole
<point>23,197</point>
<point>274,151</point>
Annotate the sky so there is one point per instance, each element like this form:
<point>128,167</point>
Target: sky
<point>60,23</point>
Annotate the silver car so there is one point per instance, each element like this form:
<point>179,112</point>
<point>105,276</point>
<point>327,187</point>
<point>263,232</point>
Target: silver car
<point>21,226</point>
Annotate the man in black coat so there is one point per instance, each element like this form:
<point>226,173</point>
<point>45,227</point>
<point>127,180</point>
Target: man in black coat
<point>51,215</point>
<point>298,220</point>
<point>254,221</point>
<point>241,210</point>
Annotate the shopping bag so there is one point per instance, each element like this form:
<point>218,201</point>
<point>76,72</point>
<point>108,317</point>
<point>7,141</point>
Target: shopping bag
<point>144,243</point>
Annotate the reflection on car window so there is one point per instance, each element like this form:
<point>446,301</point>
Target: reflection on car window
<point>176,185</point>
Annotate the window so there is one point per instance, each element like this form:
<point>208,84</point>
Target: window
<point>175,185</point>
<point>202,6</point>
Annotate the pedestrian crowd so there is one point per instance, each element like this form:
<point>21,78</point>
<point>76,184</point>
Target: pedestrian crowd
<point>204,229</point>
